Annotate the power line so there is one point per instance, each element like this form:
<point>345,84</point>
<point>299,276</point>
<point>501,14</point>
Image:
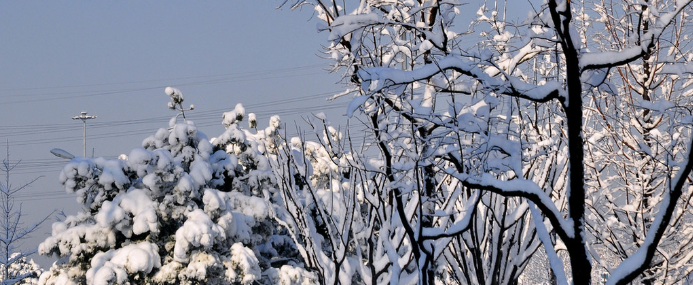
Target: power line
<point>208,118</point>
<point>275,70</point>
<point>210,112</point>
<point>84,94</point>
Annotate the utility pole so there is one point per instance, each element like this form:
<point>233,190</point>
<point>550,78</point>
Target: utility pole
<point>84,117</point>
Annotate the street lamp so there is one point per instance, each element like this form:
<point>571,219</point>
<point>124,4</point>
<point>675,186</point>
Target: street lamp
<point>84,117</point>
<point>62,153</point>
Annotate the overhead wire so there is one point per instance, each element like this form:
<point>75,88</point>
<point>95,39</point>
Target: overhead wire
<point>208,118</point>
<point>260,108</point>
<point>242,74</point>
<point>82,94</point>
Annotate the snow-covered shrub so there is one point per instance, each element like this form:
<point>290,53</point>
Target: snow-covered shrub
<point>21,267</point>
<point>181,209</point>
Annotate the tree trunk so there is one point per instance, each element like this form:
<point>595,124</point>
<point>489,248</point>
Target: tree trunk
<point>579,261</point>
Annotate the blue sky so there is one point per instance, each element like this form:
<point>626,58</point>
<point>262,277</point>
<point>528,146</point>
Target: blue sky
<point>114,58</point>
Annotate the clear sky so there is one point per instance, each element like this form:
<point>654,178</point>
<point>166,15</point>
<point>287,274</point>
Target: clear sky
<point>114,58</point>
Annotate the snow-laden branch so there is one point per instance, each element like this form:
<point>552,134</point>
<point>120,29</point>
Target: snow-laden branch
<point>520,188</point>
<point>634,265</point>
<point>457,227</point>
<point>677,68</point>
<point>346,24</point>
<point>597,60</point>
<point>380,78</point>
<point>543,234</point>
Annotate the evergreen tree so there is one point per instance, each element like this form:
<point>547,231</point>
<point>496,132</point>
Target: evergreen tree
<point>181,209</point>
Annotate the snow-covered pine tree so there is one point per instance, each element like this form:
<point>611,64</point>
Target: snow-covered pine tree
<point>181,209</point>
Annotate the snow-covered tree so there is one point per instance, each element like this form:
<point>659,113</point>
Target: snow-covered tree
<point>23,267</point>
<point>510,115</point>
<point>15,265</point>
<point>325,210</point>
<point>343,212</point>
<point>648,134</point>
<point>181,209</point>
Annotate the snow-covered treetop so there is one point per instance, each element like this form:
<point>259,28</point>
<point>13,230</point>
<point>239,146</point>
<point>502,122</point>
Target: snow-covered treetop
<point>181,209</point>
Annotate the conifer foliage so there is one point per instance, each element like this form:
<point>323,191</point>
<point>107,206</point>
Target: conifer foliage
<point>181,209</point>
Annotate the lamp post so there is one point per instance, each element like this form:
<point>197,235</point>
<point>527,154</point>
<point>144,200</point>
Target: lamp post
<point>62,153</point>
<point>84,117</point>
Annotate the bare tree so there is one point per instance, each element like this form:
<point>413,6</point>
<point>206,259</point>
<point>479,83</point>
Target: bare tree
<point>12,260</point>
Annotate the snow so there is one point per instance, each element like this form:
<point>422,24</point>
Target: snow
<point>234,116</point>
<point>521,152</point>
<point>182,132</point>
<point>200,171</point>
<point>59,279</point>
<point>213,201</point>
<point>138,204</point>
<point>659,106</point>
<point>425,46</point>
<point>609,58</point>
<point>289,275</point>
<point>197,231</point>
<point>109,213</point>
<point>176,97</point>
<point>244,267</point>
<point>678,69</point>
<point>355,104</point>
<point>113,266</point>
<point>170,91</point>
<point>348,23</point>
<point>252,120</point>
<point>138,160</point>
